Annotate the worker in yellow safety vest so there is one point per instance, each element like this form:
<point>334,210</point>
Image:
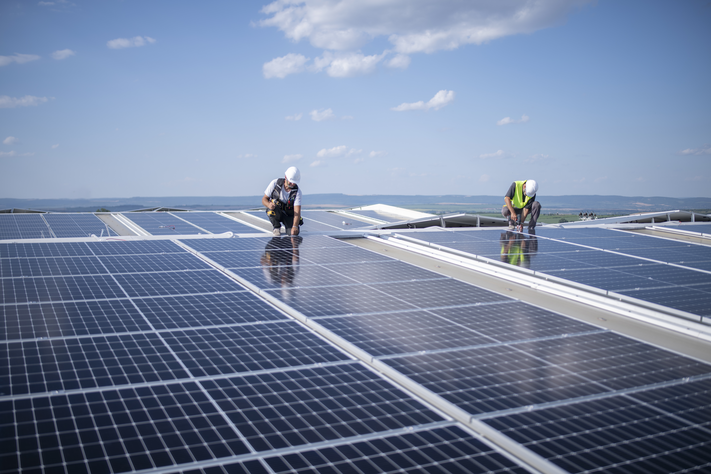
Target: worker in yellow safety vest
<point>521,201</point>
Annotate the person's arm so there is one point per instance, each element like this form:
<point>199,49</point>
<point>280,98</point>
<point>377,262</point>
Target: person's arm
<point>297,219</point>
<point>266,202</point>
<point>525,214</point>
<point>507,200</point>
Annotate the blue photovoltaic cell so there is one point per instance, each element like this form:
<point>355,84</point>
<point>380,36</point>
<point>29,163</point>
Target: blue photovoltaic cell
<point>334,300</point>
<point>176,283</point>
<point>50,266</point>
<point>692,300</point>
<point>130,429</point>
<point>403,332</point>
<point>298,407</point>
<point>48,249</point>
<point>246,348</point>
<point>277,275</point>
<point>216,223</point>
<point>263,243</point>
<point>29,290</point>
<point>134,247</point>
<point>81,363</point>
<point>339,255</point>
<point>438,293</point>
<point>207,310</point>
<point>162,223</point>
<point>441,450</point>
<point>79,318</point>
<point>255,258</point>
<point>383,271</point>
<point>23,226</point>
<point>153,263</point>
<point>659,430</point>
<point>608,279</point>
<point>77,225</point>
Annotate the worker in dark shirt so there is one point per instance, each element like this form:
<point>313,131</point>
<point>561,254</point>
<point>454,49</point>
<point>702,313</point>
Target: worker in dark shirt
<point>521,201</point>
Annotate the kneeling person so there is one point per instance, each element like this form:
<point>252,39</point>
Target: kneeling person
<point>521,201</point>
<point>282,198</point>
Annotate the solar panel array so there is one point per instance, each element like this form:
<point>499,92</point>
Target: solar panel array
<point>321,221</point>
<point>666,272</point>
<point>126,356</point>
<point>51,225</point>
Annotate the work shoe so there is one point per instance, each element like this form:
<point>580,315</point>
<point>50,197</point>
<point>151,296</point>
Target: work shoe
<point>511,227</point>
<point>276,232</point>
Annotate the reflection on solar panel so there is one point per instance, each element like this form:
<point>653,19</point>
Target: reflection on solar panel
<point>140,356</point>
<point>610,260</point>
<point>163,223</point>
<point>215,223</point>
<point>77,225</point>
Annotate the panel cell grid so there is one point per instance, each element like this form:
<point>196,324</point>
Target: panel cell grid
<point>78,225</point>
<point>207,310</point>
<point>441,450</point>
<point>438,293</point>
<point>619,434</point>
<point>79,318</point>
<point>336,300</point>
<point>228,350</point>
<point>176,283</point>
<point>275,275</point>
<point>692,300</point>
<point>45,249</point>
<point>81,363</point>
<point>385,271</point>
<point>68,288</point>
<point>114,431</point>
<point>23,226</point>
<point>324,256</point>
<point>400,333</point>
<point>216,223</point>
<point>49,266</point>
<point>162,223</point>
<point>254,258</point>
<point>295,408</point>
<point>134,247</point>
<point>513,321</point>
<point>336,220</point>
<point>488,379</point>
<point>153,263</point>
<point>608,279</point>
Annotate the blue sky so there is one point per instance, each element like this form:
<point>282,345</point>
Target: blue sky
<point>176,98</point>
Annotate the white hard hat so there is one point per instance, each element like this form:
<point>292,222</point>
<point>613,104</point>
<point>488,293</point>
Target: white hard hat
<point>531,187</point>
<point>293,175</point>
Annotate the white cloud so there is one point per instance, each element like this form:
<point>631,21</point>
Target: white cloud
<point>348,64</point>
<point>317,163</point>
<point>401,61</point>
<point>374,153</point>
<point>10,141</point>
<point>291,158</point>
<point>508,120</point>
<point>334,152</point>
<point>55,146</point>
<point>499,155</point>
<point>63,54</point>
<point>411,26</point>
<point>17,58</point>
<point>13,153</point>
<point>282,67</point>
<point>7,102</point>
<point>247,155</point>
<point>440,99</point>
<point>538,158</point>
<point>705,150</point>
<point>347,117</point>
<point>136,41</point>
<point>295,117</point>
<point>319,115</point>
<point>484,178</point>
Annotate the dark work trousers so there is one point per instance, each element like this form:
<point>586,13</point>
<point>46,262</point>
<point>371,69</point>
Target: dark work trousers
<point>533,214</point>
<point>282,216</point>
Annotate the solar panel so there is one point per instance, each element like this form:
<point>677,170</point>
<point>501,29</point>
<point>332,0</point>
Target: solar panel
<point>133,247</point>
<point>380,215</point>
<point>176,283</point>
<point>152,263</point>
<point>216,223</point>
<point>77,225</point>
<point>49,266</point>
<point>162,223</point>
<point>23,226</point>
<point>67,288</point>
<point>75,318</point>
<point>656,430</point>
<point>335,220</point>
<point>48,249</point>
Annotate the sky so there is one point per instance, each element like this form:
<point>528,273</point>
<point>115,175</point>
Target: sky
<point>125,98</point>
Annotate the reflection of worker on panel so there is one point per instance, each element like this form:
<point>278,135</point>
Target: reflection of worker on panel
<point>280,261</point>
<point>518,249</point>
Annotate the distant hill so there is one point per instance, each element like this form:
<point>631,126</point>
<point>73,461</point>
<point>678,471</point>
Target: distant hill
<point>441,203</point>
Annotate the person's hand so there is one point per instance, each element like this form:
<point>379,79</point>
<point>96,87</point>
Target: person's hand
<point>271,205</point>
<point>295,230</point>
